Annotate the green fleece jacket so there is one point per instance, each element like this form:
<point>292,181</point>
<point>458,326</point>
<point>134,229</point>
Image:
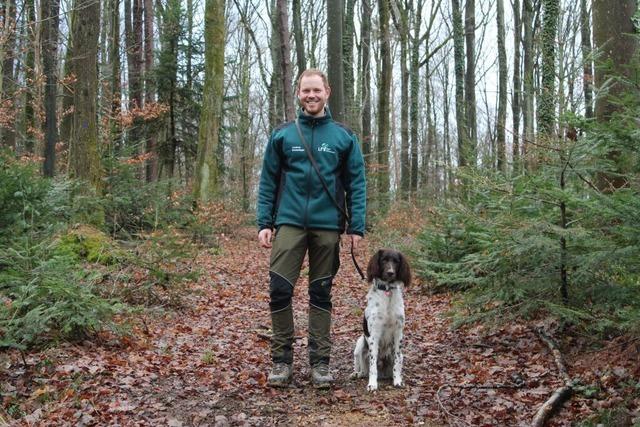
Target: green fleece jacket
<point>291,192</point>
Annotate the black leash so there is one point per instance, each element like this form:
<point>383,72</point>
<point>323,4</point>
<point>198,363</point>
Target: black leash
<point>326,188</point>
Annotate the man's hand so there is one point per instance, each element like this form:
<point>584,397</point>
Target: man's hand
<point>355,239</point>
<point>264,237</point>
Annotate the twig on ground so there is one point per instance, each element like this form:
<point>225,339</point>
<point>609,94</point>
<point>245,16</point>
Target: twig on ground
<point>562,393</point>
<point>471,386</point>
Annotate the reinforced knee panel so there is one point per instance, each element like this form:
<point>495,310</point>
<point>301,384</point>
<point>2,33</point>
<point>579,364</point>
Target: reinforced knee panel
<point>280,292</point>
<point>320,293</point>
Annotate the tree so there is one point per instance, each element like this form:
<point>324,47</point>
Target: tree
<point>149,92</point>
<point>517,84</point>
<point>84,159</point>
<point>616,73</point>
<point>365,81</point>
<point>502,89</point>
<point>285,60</point>
<point>384,90</point>
<point>335,73</point>
<point>206,185</point>
<point>348,34</point>
<point>458,56</point>
<point>587,62</point>
<point>470,81</point>
<point>528,93</point>
<point>7,55</point>
<point>49,43</point>
<point>301,58</point>
<point>547,99</point>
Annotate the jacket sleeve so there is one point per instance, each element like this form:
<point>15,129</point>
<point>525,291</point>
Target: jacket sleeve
<point>356,188</point>
<point>269,182</point>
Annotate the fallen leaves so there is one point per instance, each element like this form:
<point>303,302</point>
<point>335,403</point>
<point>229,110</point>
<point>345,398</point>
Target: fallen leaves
<point>208,361</point>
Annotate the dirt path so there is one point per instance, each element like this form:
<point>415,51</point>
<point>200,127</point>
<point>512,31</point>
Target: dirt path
<point>207,364</point>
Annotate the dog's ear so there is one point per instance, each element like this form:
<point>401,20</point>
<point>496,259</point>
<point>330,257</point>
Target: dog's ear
<point>405,271</point>
<point>373,269</point>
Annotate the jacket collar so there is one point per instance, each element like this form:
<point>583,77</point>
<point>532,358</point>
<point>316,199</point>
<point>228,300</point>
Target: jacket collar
<point>310,120</point>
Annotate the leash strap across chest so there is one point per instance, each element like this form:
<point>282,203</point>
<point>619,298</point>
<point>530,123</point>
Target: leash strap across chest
<point>342,210</point>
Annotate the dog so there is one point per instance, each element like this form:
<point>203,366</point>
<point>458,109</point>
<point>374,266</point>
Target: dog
<point>378,349</point>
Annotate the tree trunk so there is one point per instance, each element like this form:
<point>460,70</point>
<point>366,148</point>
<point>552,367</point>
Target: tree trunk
<point>116,95</point>
<point>276,112</point>
<point>7,86</point>
<point>298,35</point>
<point>502,90</point>
<point>149,94</point>
<point>206,186</point>
<point>547,100</point>
<point>517,85</point>
<point>414,110</point>
<point>133,37</point>
<point>383,106</point>
<point>347,67</point>
<point>614,37</point>
<point>587,61</point>
<point>167,83</point>
<point>285,58</point>
<point>84,158</point>
<point>401,20</point>
<point>528,89</point>
<point>470,80</point>
<point>334,58</point>
<point>30,65</point>
<point>365,81</point>
<point>458,48</point>
<point>49,42</point>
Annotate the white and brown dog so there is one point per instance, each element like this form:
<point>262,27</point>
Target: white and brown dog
<point>379,347</point>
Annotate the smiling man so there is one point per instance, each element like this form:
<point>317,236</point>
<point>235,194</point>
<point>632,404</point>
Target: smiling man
<point>297,215</point>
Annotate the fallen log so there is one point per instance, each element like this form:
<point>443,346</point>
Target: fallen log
<point>561,394</point>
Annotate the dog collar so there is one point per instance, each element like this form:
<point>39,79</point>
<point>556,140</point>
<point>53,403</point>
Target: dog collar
<point>384,286</point>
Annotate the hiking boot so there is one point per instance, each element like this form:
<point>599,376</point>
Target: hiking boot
<point>320,376</point>
<point>280,375</point>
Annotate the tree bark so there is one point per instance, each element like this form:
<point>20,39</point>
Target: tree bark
<point>470,81</point>
<point>614,37</point>
<point>458,56</point>
<point>207,186</point>
<point>49,42</point>
<point>547,100</point>
<point>84,157</point>
<point>528,87</point>
<point>587,61</point>
<point>285,58</point>
<point>365,81</point>
<point>335,73</point>
<point>383,106</point>
<point>414,108</point>
<point>7,86</point>
<point>348,80</point>
<point>517,85</point>
<point>149,94</point>
<point>502,90</point>
<point>301,58</point>
<point>30,65</point>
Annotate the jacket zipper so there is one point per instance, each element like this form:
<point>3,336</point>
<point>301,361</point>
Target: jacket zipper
<point>306,208</point>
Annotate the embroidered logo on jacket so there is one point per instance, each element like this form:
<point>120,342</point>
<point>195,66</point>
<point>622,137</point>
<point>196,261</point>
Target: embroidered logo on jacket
<point>324,148</point>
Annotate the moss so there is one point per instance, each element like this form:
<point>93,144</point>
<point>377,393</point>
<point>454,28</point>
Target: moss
<point>88,243</point>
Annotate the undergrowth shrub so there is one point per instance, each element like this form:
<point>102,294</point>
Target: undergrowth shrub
<point>547,243</point>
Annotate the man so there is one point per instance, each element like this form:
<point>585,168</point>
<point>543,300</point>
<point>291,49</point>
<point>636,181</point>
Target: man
<point>293,201</point>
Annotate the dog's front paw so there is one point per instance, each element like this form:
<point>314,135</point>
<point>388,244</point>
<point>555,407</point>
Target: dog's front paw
<point>372,386</point>
<point>398,383</point>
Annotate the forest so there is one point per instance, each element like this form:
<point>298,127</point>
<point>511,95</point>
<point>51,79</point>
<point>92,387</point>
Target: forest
<point>500,142</point>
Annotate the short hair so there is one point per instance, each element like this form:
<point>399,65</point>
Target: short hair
<point>313,72</point>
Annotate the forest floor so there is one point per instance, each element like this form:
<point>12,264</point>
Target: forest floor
<point>206,364</point>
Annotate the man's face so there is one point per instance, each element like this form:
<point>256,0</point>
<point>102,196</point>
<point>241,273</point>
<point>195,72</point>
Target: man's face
<point>313,95</point>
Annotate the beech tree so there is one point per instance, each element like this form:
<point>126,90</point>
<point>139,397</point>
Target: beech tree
<point>207,184</point>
